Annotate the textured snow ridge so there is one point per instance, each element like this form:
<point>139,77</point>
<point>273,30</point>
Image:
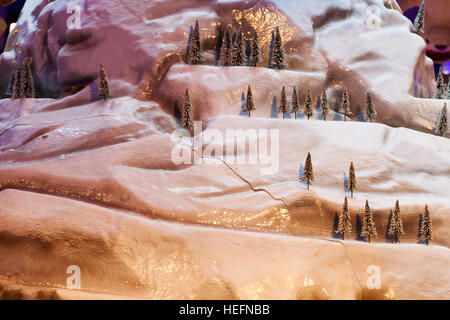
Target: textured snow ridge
<point>94,184</point>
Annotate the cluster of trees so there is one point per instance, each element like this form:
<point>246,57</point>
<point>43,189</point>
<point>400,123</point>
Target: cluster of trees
<point>368,225</point>
<point>21,84</point>
<point>233,52</point>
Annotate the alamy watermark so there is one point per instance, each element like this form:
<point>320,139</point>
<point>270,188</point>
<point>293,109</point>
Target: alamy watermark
<point>74,19</point>
<point>74,280</point>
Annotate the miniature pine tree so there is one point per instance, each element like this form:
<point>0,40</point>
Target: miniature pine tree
<point>283,103</point>
<point>295,106</point>
<point>17,85</point>
<point>419,21</point>
<point>227,50</point>
<point>345,106</point>
<point>368,226</point>
<point>344,226</point>
<point>426,232</point>
<point>442,128</point>
<point>324,105</point>
<point>238,49</point>
<point>351,178</point>
<point>255,56</point>
<point>27,80</point>
<point>103,87</point>
<point>441,90</point>
<point>308,105</point>
<point>187,120</point>
<point>278,60</point>
<point>195,54</point>
<point>370,111</point>
<point>308,173</point>
<point>249,105</point>
<point>396,227</point>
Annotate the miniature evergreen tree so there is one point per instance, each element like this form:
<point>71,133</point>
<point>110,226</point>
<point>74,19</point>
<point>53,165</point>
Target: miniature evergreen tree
<point>442,128</point>
<point>324,108</point>
<point>27,80</point>
<point>351,178</point>
<point>227,51</point>
<point>345,106</point>
<point>370,111</point>
<point>308,105</point>
<point>195,53</point>
<point>295,105</point>
<point>441,90</point>
<point>187,119</point>
<point>103,87</point>
<point>238,49</point>
<point>249,105</point>
<point>396,226</point>
<point>419,21</point>
<point>368,226</point>
<point>308,173</point>
<point>255,56</point>
<point>283,103</point>
<point>345,225</point>
<point>426,232</point>
<point>278,60</point>
<point>17,86</point>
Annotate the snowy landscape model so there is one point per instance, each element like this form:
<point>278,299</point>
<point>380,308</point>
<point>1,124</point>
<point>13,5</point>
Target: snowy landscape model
<point>88,177</point>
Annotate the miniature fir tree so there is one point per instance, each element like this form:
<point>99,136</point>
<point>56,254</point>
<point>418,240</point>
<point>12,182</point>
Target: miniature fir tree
<point>249,105</point>
<point>17,86</point>
<point>426,232</point>
<point>370,111</point>
<point>195,53</point>
<point>442,128</point>
<point>324,108</point>
<point>283,103</point>
<point>187,119</point>
<point>441,90</point>
<point>227,51</point>
<point>308,173</point>
<point>295,105</point>
<point>344,225</point>
<point>345,106</point>
<point>278,60</point>
<point>419,21</point>
<point>103,87</point>
<point>308,105</point>
<point>351,178</point>
<point>238,49</point>
<point>27,80</point>
<point>396,226</point>
<point>255,56</point>
<point>368,226</point>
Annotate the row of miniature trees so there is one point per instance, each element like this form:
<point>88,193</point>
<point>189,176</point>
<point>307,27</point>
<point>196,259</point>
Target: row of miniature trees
<point>368,225</point>
<point>21,84</point>
<point>233,52</point>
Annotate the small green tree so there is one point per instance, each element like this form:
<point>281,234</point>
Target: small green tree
<point>195,53</point>
<point>309,112</point>
<point>308,173</point>
<point>396,226</point>
<point>278,59</point>
<point>103,87</point>
<point>441,89</point>
<point>255,56</point>
<point>370,110</point>
<point>419,21</point>
<point>368,225</point>
<point>345,106</point>
<point>324,108</point>
<point>249,105</point>
<point>442,128</point>
<point>238,49</point>
<point>187,119</point>
<point>344,225</point>
<point>295,105</point>
<point>426,232</point>
<point>227,49</point>
<point>283,103</point>
<point>351,178</point>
